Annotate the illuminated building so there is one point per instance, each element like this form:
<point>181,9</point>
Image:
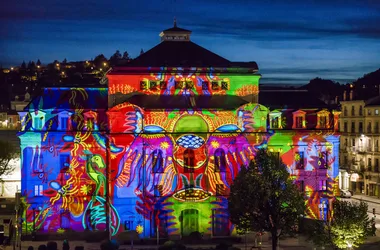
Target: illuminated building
<point>359,153</point>
<point>162,143</point>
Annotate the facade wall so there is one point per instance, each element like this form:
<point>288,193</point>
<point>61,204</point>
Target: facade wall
<point>167,168</point>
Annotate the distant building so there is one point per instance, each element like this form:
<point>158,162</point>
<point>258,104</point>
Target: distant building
<point>360,152</point>
<point>160,146</point>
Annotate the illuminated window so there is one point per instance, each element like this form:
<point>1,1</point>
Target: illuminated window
<point>275,120</point>
<point>143,85</point>
<point>376,112</point>
<point>300,160</point>
<point>158,190</point>
<point>163,85</point>
<point>323,185</point>
<point>189,85</point>
<point>38,190</point>
<point>90,123</point>
<point>204,85</point>
<point>64,122</point>
<point>299,119</point>
<point>225,85</point>
<point>323,160</point>
<point>64,161</point>
<point>220,190</point>
<point>188,160</point>
<point>301,185</point>
<point>153,85</point>
<point>215,85</point>
<point>299,122</point>
<point>38,122</point>
<point>220,160</point>
<point>157,161</point>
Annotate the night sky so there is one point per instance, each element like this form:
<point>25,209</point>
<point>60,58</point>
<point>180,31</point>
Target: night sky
<point>292,41</point>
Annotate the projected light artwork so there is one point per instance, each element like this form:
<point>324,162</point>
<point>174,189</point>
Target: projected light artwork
<point>162,149</point>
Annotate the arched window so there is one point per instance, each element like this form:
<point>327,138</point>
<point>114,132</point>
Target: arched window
<point>189,160</point>
<point>220,160</point>
<point>157,161</point>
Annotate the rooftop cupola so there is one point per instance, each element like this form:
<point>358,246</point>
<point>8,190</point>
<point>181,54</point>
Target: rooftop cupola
<point>175,34</point>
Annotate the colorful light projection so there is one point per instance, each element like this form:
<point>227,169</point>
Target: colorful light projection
<point>169,168</point>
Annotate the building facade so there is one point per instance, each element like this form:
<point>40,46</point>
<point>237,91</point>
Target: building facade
<point>159,147</point>
<point>360,154</point>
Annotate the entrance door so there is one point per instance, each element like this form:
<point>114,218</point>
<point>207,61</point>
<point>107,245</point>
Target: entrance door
<point>189,222</point>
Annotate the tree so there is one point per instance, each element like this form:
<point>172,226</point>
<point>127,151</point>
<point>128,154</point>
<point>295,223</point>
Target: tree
<point>64,61</point>
<point>115,58</point>
<point>23,65</point>
<point>7,153</point>
<point>38,62</point>
<point>348,227</point>
<point>125,55</point>
<point>264,198</point>
<point>99,60</point>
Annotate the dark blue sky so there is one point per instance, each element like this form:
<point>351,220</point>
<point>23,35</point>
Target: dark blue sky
<point>292,41</point>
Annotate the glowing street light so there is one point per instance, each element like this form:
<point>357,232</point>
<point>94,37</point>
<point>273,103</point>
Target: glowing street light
<point>101,69</point>
<point>38,66</point>
<point>105,64</point>
<point>12,68</point>
<point>57,64</point>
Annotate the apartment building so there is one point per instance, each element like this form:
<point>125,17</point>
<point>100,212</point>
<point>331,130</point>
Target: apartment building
<point>359,153</point>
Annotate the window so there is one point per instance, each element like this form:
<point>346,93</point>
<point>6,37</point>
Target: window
<point>38,190</point>
<point>301,185</point>
<point>275,122</point>
<point>369,127</point>
<point>323,185</point>
<point>220,222</point>
<point>90,122</point>
<point>376,127</point>
<point>369,164</point>
<point>360,127</point>
<point>204,85</point>
<point>188,160</point>
<point>157,161</point>
<point>345,160</point>
<point>189,85</point>
<point>376,145</point>
<point>219,189</point>
<point>369,146</point>
<point>299,122</point>
<point>300,160</point>
<point>345,127</point>
<point>361,110</point>
<point>38,122</point>
<point>345,111</point>
<point>353,142</point>
<point>376,165</point>
<point>353,110</point>
<point>143,85</point>
<point>64,161</point>
<point>369,112</point>
<point>64,122</point>
<point>128,225</point>
<point>179,85</point>
<point>323,160</point>
<point>376,112</point>
<point>225,85</point>
<point>38,166</point>
<point>153,85</point>
<point>323,121</point>
<point>345,142</point>
<point>220,160</point>
<point>352,127</point>
<point>215,85</point>
<point>163,85</point>
<point>158,190</point>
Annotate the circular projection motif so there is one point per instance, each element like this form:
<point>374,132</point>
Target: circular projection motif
<point>191,124</point>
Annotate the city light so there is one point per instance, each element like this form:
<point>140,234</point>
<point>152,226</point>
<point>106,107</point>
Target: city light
<point>11,68</point>
<point>105,64</point>
<point>57,64</point>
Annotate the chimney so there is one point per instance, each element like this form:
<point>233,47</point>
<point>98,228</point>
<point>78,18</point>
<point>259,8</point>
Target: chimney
<point>351,95</point>
<point>345,95</point>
